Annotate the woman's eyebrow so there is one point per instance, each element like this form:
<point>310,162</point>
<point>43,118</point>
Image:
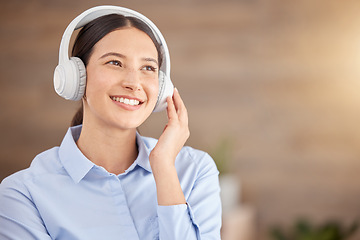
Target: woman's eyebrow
<point>151,60</point>
<point>113,54</point>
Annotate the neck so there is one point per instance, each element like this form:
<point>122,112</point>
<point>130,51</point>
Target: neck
<point>113,149</point>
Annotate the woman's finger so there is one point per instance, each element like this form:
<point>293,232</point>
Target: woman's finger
<point>171,110</point>
<point>180,106</point>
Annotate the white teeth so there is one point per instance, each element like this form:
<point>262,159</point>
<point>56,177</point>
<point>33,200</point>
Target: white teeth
<point>131,102</point>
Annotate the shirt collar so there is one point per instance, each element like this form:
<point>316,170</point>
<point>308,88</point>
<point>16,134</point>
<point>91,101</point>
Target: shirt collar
<point>77,165</point>
<point>144,152</point>
<point>74,162</point>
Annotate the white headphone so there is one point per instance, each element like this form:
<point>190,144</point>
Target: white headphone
<point>70,73</point>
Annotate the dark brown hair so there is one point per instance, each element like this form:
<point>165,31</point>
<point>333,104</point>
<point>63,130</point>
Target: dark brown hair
<point>94,31</point>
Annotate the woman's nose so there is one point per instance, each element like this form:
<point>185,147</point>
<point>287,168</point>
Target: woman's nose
<point>131,80</point>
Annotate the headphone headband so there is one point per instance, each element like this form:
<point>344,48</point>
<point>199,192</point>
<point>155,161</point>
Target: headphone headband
<point>100,11</point>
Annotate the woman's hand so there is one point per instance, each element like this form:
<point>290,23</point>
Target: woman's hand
<point>162,157</point>
<point>175,134</point>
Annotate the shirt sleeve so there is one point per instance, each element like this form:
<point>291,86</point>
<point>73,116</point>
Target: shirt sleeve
<point>175,223</point>
<point>19,218</point>
<point>200,218</point>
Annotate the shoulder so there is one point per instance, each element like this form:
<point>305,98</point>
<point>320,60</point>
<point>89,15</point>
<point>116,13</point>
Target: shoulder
<point>45,163</point>
<point>190,157</point>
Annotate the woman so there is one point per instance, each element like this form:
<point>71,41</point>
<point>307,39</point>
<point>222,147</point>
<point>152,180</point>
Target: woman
<point>105,181</point>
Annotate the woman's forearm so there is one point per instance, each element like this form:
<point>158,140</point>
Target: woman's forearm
<point>168,187</point>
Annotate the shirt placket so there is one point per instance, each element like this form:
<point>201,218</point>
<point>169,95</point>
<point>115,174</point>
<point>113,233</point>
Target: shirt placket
<point>122,208</point>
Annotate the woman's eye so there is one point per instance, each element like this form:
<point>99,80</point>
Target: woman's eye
<point>150,68</point>
<point>114,62</point>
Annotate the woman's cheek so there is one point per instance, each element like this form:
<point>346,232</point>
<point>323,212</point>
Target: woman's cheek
<point>155,92</point>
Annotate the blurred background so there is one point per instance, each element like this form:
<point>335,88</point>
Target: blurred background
<point>271,86</point>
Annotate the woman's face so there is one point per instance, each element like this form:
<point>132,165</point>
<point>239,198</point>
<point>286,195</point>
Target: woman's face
<point>122,80</point>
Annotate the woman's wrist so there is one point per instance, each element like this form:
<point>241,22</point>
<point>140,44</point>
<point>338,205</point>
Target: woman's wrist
<point>161,161</point>
<point>168,186</point>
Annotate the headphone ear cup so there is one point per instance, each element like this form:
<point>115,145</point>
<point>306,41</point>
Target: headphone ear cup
<point>166,89</point>
<point>70,79</point>
<point>80,79</point>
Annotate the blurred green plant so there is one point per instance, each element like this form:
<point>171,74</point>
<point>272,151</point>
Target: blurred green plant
<point>222,154</point>
<point>304,230</point>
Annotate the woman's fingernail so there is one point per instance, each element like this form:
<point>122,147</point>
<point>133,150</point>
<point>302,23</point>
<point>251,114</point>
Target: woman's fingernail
<point>176,89</point>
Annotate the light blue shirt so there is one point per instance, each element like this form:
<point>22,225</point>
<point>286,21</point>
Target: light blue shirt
<point>65,196</point>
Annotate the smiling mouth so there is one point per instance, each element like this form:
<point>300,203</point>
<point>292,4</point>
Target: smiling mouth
<point>131,102</point>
